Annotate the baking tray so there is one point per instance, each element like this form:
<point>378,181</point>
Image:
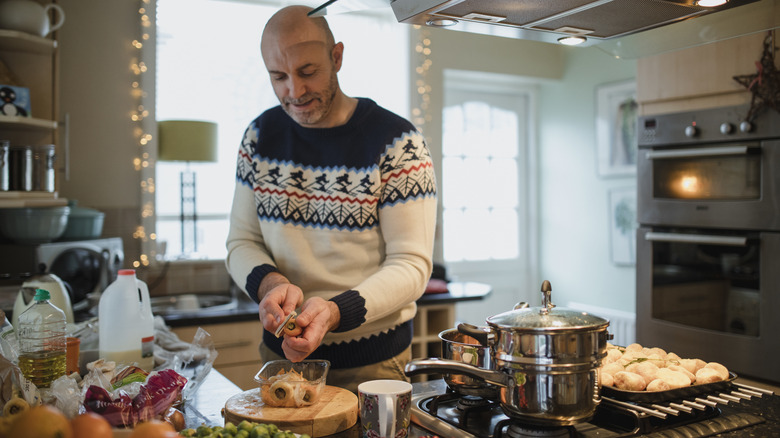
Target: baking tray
<point>688,392</point>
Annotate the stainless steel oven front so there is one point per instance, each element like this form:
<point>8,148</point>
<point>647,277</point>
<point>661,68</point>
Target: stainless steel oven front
<point>711,294</point>
<point>709,169</point>
<point>708,245</point>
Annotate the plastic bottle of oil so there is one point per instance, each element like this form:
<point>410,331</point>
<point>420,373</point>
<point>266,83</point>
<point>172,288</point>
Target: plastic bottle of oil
<point>41,334</point>
<point>125,321</point>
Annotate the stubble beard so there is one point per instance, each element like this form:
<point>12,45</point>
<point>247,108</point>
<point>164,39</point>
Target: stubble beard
<point>323,104</point>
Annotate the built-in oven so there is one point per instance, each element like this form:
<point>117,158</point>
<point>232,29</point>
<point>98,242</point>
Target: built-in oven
<point>708,245</point>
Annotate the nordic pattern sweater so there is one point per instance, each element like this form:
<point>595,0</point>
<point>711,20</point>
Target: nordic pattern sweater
<point>345,213</point>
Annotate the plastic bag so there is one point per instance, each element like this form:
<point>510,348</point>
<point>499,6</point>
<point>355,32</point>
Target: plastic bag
<point>161,390</point>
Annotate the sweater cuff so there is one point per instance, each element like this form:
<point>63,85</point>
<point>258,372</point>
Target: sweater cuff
<point>254,279</point>
<point>352,308</point>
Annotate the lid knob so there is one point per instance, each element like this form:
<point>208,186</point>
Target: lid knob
<point>547,304</point>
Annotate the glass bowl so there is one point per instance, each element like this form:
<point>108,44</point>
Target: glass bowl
<point>292,384</point>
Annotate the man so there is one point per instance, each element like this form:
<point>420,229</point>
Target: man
<point>333,213</point>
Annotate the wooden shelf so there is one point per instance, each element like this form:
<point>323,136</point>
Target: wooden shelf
<point>13,40</point>
<point>27,123</point>
<point>431,319</point>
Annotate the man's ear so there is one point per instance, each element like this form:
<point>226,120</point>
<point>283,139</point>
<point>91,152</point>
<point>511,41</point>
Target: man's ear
<point>337,54</point>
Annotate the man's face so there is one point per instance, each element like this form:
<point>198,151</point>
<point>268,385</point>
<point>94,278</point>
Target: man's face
<point>303,76</point>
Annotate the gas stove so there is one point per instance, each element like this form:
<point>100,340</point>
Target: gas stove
<point>440,411</point>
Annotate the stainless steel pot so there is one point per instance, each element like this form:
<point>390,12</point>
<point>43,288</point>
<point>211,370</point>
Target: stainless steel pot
<point>545,361</point>
<point>463,348</point>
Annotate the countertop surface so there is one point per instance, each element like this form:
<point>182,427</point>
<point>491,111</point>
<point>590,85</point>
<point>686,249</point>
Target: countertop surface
<point>246,309</point>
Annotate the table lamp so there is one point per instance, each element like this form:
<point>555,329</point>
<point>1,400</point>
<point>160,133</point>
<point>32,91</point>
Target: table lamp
<point>187,140</point>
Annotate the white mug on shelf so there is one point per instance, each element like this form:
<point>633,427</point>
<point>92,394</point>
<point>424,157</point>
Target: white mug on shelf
<point>385,408</point>
<point>30,17</point>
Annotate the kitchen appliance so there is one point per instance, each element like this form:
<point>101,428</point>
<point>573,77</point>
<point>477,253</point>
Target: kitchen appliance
<point>709,237</point>
<point>541,20</point>
<point>737,410</point>
<point>85,266</point>
<point>58,295</point>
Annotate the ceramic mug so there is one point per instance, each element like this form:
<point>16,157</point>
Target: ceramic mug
<point>385,408</point>
<point>30,17</point>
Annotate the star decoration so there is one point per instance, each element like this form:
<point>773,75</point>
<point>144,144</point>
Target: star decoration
<point>765,83</point>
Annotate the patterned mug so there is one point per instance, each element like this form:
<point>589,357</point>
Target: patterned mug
<point>385,408</point>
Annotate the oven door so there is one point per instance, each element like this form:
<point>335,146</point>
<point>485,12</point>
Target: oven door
<point>711,295</point>
<point>731,185</point>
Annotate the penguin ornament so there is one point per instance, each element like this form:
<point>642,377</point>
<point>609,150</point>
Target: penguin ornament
<point>8,106</point>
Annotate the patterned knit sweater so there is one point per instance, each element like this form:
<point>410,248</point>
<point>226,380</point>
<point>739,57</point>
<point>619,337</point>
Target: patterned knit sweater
<point>345,213</point>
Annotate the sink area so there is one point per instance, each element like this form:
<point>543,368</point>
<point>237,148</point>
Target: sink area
<point>192,303</point>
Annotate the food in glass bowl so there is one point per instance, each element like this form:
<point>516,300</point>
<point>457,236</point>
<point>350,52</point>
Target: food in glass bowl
<point>292,384</point>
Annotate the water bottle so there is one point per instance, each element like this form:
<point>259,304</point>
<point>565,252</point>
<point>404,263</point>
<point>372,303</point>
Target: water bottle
<point>41,334</point>
<point>125,321</point>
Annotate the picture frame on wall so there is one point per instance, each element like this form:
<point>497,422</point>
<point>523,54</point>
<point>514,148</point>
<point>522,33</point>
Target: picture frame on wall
<point>622,225</point>
<point>616,128</point>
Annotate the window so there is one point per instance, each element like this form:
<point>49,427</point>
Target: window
<point>487,179</point>
<point>208,67</point>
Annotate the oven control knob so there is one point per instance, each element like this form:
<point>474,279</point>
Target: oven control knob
<point>726,128</point>
<point>691,131</point>
<point>745,126</point>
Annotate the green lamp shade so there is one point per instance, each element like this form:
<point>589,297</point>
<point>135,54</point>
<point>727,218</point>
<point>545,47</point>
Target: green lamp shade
<point>187,140</point>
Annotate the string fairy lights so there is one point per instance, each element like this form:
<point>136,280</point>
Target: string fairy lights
<point>420,113</point>
<point>144,162</point>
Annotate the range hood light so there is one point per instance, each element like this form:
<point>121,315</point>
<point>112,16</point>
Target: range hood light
<point>711,3</point>
<point>441,22</point>
<point>572,40</point>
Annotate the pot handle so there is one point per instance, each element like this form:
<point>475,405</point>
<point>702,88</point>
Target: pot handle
<point>435,365</point>
<point>481,334</point>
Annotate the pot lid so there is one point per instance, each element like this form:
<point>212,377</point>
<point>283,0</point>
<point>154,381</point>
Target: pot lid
<point>546,317</point>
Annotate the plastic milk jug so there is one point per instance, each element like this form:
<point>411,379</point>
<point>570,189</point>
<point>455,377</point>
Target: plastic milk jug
<point>125,321</point>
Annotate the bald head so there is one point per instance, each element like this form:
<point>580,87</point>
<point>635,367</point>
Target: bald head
<point>303,61</point>
<point>291,25</point>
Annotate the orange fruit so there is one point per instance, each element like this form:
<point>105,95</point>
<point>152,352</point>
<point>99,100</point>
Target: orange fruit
<point>154,429</point>
<point>91,425</point>
<point>42,421</point>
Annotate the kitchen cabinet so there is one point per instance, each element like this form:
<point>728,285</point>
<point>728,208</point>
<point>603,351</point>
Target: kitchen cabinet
<point>32,60</point>
<point>237,344</point>
<point>698,78</point>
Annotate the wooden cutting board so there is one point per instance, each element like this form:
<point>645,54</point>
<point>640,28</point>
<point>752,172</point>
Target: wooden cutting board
<point>334,412</point>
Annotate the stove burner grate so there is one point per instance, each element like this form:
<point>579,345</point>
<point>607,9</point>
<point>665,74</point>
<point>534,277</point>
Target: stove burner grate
<point>519,430</point>
<point>454,415</point>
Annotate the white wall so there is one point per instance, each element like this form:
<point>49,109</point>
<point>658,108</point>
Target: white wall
<point>574,253</point>
<point>572,211</point>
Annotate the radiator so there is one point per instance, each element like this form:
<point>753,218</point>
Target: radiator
<point>622,324</point>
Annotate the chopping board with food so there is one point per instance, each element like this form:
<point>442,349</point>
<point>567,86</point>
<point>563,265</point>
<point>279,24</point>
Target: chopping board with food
<point>335,410</point>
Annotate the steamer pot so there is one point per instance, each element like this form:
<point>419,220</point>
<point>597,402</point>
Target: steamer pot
<point>545,361</point>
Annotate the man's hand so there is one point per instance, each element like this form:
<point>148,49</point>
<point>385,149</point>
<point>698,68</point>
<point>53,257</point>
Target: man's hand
<point>317,318</point>
<point>279,297</point>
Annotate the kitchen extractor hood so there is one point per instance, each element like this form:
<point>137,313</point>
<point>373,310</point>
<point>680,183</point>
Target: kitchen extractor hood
<point>541,20</point>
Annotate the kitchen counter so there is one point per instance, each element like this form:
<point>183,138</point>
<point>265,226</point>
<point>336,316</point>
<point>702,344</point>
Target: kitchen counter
<point>246,309</point>
<point>206,406</point>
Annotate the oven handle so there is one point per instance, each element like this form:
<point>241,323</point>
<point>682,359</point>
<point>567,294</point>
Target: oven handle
<point>696,238</point>
<point>701,152</point>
